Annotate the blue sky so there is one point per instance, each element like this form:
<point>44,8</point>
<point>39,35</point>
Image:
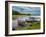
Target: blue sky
<point>27,10</point>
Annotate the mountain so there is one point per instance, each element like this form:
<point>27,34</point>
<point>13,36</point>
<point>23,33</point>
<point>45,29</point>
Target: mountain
<point>18,13</point>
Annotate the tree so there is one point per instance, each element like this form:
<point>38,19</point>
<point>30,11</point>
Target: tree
<point>28,14</point>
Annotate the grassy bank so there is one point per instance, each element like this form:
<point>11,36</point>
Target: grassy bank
<point>30,25</point>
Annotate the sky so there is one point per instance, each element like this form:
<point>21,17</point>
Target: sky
<point>27,10</point>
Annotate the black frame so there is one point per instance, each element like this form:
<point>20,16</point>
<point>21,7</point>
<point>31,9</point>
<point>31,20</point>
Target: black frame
<point>6,17</point>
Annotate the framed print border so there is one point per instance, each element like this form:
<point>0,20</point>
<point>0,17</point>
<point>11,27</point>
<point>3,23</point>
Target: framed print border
<point>6,18</point>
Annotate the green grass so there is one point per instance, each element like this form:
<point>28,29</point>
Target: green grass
<point>29,26</point>
<point>35,25</point>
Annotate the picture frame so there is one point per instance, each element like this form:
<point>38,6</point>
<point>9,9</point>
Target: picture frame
<point>24,9</point>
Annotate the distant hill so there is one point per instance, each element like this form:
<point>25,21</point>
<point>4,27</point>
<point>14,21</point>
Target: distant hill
<point>15,12</point>
<point>18,13</point>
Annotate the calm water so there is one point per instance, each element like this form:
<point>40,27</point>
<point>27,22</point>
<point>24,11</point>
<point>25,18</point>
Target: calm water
<point>35,14</point>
